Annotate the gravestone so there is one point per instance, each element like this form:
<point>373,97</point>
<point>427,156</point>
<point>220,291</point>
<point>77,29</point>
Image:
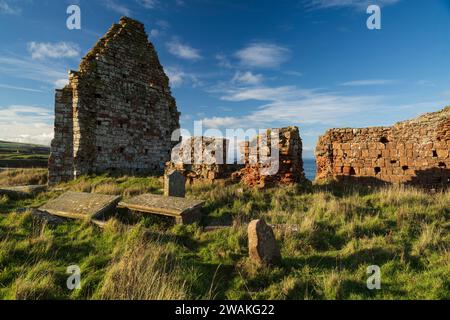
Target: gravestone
<point>78,205</point>
<point>262,245</point>
<point>175,184</point>
<point>184,211</point>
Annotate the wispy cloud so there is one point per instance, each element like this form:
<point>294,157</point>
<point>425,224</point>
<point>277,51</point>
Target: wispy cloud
<point>5,86</point>
<point>359,4</point>
<point>247,78</point>
<point>223,61</point>
<point>178,77</point>
<point>263,55</point>
<point>41,50</point>
<point>117,7</point>
<point>31,70</point>
<point>368,82</point>
<point>183,51</point>
<point>7,8</point>
<point>287,105</point>
<point>148,4</point>
<point>26,124</point>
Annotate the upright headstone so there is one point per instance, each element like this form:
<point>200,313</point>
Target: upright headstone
<point>175,184</point>
<point>262,245</point>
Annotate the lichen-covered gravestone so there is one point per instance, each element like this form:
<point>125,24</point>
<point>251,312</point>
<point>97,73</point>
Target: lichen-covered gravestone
<point>262,245</point>
<point>175,185</point>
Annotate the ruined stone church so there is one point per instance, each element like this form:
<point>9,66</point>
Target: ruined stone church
<point>117,113</point>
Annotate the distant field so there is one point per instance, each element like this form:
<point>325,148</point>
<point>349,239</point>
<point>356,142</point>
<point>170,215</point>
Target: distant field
<point>19,155</point>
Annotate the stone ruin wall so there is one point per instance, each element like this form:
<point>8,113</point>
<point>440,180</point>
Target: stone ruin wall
<point>201,159</point>
<point>256,156</point>
<point>411,152</point>
<point>117,114</point>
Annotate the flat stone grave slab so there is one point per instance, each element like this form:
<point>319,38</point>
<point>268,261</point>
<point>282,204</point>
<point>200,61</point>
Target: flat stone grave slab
<point>185,211</point>
<point>78,205</point>
<point>22,191</point>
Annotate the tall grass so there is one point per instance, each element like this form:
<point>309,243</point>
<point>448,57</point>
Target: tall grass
<point>328,236</point>
<point>21,177</point>
<point>144,271</point>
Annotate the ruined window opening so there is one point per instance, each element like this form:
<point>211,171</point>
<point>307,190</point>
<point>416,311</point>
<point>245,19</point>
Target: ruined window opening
<point>127,100</point>
<point>121,150</point>
<point>404,168</point>
<point>393,161</point>
<point>435,154</point>
<point>352,171</point>
<point>98,96</point>
<point>379,156</point>
<point>99,149</point>
<point>99,123</point>
<point>377,170</point>
<point>384,140</point>
<point>146,151</point>
<point>442,165</point>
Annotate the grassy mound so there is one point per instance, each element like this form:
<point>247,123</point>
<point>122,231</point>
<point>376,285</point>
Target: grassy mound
<point>328,237</point>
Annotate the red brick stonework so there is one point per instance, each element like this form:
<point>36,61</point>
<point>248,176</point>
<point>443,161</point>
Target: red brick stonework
<point>410,152</point>
<point>256,157</point>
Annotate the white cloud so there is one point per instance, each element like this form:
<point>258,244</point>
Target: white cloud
<point>6,8</point>
<point>41,50</point>
<point>263,55</point>
<point>293,73</point>
<point>28,124</point>
<point>149,4</point>
<point>247,78</point>
<point>183,51</point>
<point>61,83</point>
<point>163,24</point>
<point>179,77</point>
<point>31,70</point>
<point>6,86</point>
<point>154,33</point>
<point>119,8</point>
<point>290,105</point>
<point>223,61</point>
<point>360,4</point>
<point>368,82</point>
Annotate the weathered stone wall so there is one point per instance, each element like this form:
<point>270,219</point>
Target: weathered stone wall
<point>117,114</point>
<point>263,170</point>
<point>61,158</point>
<point>201,159</point>
<point>410,152</point>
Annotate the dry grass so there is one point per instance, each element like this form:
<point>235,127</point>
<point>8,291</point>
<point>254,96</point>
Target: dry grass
<point>107,188</point>
<point>22,177</point>
<point>144,271</point>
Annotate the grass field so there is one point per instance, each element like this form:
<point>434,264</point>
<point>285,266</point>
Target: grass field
<point>14,154</point>
<point>328,237</point>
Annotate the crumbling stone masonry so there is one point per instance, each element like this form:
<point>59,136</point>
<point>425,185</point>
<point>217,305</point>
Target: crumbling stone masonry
<point>411,152</point>
<point>260,160</point>
<point>201,159</point>
<point>117,113</point>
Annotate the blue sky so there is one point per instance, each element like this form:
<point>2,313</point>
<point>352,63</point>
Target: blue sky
<point>241,64</point>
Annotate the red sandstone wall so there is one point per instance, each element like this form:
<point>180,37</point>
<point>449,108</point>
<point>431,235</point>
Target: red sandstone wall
<point>257,157</point>
<point>410,152</point>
